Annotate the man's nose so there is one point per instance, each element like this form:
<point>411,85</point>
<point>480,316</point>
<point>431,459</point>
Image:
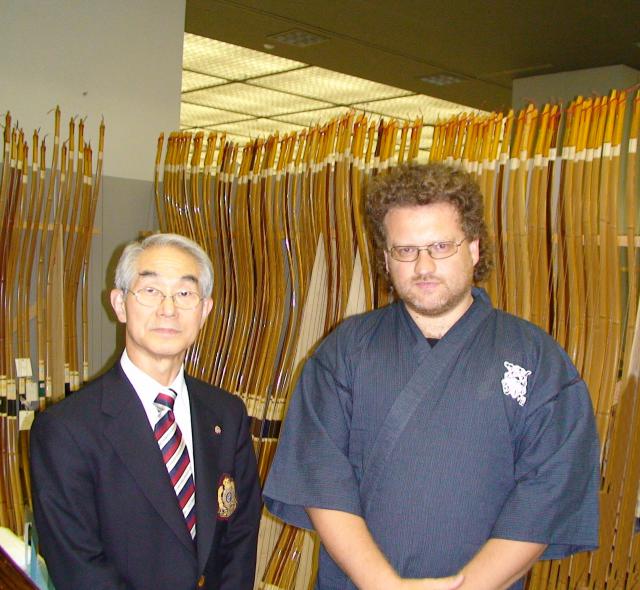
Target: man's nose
<point>167,307</point>
<point>424,263</point>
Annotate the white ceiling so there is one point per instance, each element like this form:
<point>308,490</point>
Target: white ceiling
<point>249,94</point>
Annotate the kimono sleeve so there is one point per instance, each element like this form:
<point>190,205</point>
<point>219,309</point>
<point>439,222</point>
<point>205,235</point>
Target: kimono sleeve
<point>555,500</point>
<point>311,466</point>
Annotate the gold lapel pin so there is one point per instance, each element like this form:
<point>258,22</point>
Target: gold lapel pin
<point>217,429</point>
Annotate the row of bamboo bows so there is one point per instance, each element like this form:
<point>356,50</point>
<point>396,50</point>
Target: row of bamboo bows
<point>47,208</point>
<point>282,220</point>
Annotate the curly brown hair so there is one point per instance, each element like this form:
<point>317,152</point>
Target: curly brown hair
<point>412,185</point>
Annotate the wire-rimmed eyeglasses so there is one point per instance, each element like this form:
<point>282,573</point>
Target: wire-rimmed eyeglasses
<point>437,251</point>
<point>152,297</point>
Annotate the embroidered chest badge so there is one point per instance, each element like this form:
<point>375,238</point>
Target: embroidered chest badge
<point>514,382</point>
<point>227,499</point>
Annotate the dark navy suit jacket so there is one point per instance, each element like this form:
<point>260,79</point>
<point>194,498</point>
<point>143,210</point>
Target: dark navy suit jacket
<point>106,512</point>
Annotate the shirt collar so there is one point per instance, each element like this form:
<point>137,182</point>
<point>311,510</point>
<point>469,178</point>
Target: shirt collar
<point>147,387</point>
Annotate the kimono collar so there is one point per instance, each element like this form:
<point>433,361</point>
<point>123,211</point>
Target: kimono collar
<point>480,302</point>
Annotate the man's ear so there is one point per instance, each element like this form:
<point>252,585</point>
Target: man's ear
<point>474,248</point>
<point>207,305</point>
<point>117,302</point>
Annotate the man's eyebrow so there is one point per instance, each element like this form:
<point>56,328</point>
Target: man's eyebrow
<point>147,273</point>
<point>191,278</point>
<point>151,273</point>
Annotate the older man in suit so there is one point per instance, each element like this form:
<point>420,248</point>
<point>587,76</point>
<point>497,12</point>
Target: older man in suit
<point>146,479</point>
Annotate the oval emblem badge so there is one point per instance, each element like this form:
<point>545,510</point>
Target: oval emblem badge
<point>227,499</point>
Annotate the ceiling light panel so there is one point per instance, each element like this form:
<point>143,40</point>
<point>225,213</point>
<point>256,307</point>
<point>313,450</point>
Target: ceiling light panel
<point>228,137</point>
<point>195,115</point>
<point>193,130</point>
<point>330,86</point>
<point>426,138</point>
<point>314,117</point>
<point>231,62</point>
<point>195,81</point>
<point>240,140</point>
<point>417,105</point>
<point>259,128</point>
<point>252,100</point>
<point>427,132</point>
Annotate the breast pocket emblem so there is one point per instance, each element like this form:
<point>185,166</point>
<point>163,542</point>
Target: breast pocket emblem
<point>227,499</point>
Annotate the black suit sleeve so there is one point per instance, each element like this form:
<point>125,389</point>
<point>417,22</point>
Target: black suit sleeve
<point>238,546</point>
<point>65,512</point>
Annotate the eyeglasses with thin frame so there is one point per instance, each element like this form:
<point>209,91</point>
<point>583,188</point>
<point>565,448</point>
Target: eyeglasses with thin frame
<point>152,297</point>
<point>437,251</point>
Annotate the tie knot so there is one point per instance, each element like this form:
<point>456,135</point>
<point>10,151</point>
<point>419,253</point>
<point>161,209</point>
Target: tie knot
<point>166,399</point>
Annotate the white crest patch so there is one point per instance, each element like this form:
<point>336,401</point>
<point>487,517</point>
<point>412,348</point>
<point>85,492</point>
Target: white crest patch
<point>514,382</point>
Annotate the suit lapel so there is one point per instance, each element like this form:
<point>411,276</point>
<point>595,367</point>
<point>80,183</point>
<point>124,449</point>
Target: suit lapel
<point>129,432</point>
<point>206,448</point>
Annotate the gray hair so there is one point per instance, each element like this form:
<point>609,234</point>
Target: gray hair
<point>126,269</point>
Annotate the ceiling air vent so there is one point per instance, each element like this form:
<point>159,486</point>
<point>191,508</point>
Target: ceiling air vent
<point>298,38</point>
<point>443,79</point>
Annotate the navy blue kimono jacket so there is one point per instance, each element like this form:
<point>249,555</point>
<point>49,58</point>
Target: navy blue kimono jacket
<point>489,434</point>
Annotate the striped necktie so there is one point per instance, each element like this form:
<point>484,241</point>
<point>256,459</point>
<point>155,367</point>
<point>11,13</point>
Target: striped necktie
<point>176,458</point>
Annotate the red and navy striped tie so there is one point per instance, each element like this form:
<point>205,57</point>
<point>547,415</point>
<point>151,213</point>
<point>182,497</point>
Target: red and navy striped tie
<point>176,458</point>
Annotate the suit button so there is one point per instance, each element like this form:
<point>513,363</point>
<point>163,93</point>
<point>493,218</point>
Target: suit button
<point>201,581</point>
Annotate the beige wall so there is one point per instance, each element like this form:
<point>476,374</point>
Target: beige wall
<point>565,86</point>
<point>118,59</point>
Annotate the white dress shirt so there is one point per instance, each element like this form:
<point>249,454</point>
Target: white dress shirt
<point>148,388</point>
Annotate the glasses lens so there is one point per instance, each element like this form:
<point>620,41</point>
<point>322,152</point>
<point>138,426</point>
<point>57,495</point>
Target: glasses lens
<point>148,296</point>
<point>186,299</point>
<point>442,249</point>
<point>404,253</point>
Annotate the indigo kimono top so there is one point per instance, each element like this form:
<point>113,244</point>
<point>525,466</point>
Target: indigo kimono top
<point>490,433</point>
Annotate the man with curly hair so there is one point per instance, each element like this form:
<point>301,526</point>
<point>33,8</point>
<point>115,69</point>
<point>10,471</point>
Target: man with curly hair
<point>437,442</point>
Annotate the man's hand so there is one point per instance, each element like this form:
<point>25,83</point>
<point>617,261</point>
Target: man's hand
<point>500,563</point>
<point>450,583</point>
<point>349,542</point>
